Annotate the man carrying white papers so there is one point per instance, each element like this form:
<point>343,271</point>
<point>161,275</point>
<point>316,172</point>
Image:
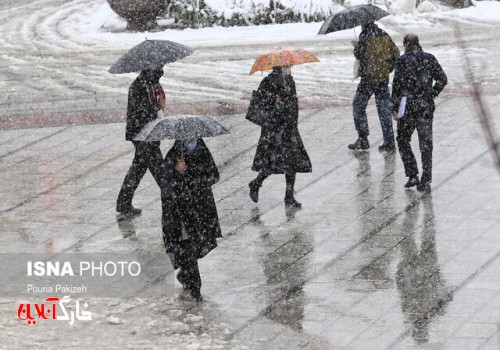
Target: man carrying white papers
<point>413,93</point>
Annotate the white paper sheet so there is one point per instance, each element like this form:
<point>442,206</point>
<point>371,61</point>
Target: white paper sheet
<point>402,107</point>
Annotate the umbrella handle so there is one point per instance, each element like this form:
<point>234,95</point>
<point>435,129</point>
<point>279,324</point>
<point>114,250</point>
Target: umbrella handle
<point>355,37</point>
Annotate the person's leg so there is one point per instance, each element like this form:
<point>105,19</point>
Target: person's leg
<point>195,280</point>
<point>363,94</point>
<point>290,200</point>
<point>190,273</point>
<point>182,255</point>
<point>181,277</point>
<point>156,163</point>
<point>406,126</point>
<point>383,102</point>
<point>189,277</point>
<point>256,184</point>
<point>132,179</point>
<point>424,130</point>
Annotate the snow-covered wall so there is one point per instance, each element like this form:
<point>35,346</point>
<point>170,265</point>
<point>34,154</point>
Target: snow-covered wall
<point>241,12</point>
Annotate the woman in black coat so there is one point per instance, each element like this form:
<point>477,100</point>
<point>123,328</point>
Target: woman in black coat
<point>189,214</point>
<point>280,149</point>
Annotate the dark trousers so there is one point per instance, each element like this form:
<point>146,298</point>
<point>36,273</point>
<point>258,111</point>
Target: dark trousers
<point>147,156</point>
<point>382,100</point>
<point>188,265</point>
<point>406,127</point>
<point>289,177</point>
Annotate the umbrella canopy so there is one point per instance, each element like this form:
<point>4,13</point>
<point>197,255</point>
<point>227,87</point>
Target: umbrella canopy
<point>148,55</point>
<point>180,127</point>
<point>282,58</point>
<point>352,17</point>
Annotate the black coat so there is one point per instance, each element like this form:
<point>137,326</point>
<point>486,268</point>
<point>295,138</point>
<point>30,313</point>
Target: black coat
<point>420,78</point>
<point>142,105</point>
<point>280,148</point>
<point>189,201</point>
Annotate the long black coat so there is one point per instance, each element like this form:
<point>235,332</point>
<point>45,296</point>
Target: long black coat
<point>420,78</point>
<point>142,104</point>
<point>189,200</point>
<point>280,148</point>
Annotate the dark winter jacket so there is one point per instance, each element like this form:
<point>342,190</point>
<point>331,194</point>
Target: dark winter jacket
<point>280,148</point>
<point>189,201</point>
<point>416,72</point>
<point>142,105</point>
<point>377,54</point>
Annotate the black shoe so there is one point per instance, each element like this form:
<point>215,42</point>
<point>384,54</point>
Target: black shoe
<point>196,294</point>
<point>291,202</point>
<point>360,144</point>
<point>425,179</point>
<point>181,279</point>
<point>387,148</point>
<point>129,211</point>
<point>424,187</point>
<point>254,191</point>
<point>412,181</point>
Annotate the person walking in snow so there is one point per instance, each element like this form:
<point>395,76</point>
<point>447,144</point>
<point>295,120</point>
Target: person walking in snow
<point>145,99</point>
<point>190,221</point>
<point>420,78</point>
<point>377,54</point>
<point>280,149</point>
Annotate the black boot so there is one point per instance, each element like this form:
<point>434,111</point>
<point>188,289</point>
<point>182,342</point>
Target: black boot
<point>386,147</point>
<point>254,190</point>
<point>181,277</point>
<point>196,294</point>
<point>193,278</point>
<point>360,144</point>
<point>256,184</point>
<point>425,182</point>
<point>412,181</point>
<point>424,187</point>
<point>128,210</point>
<point>290,201</point>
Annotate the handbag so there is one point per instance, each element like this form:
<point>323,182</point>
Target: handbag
<point>256,113</point>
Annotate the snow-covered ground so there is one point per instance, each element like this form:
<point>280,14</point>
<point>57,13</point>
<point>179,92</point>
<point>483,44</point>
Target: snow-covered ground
<point>55,55</point>
<point>94,23</point>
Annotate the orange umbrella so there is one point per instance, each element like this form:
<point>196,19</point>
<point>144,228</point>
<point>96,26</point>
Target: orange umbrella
<point>282,58</point>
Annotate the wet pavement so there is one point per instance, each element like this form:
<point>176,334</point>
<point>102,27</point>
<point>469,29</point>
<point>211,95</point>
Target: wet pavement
<point>365,264</point>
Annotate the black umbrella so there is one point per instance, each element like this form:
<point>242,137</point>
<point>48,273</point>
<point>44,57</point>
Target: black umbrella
<point>180,127</point>
<point>352,17</point>
<point>150,54</point>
